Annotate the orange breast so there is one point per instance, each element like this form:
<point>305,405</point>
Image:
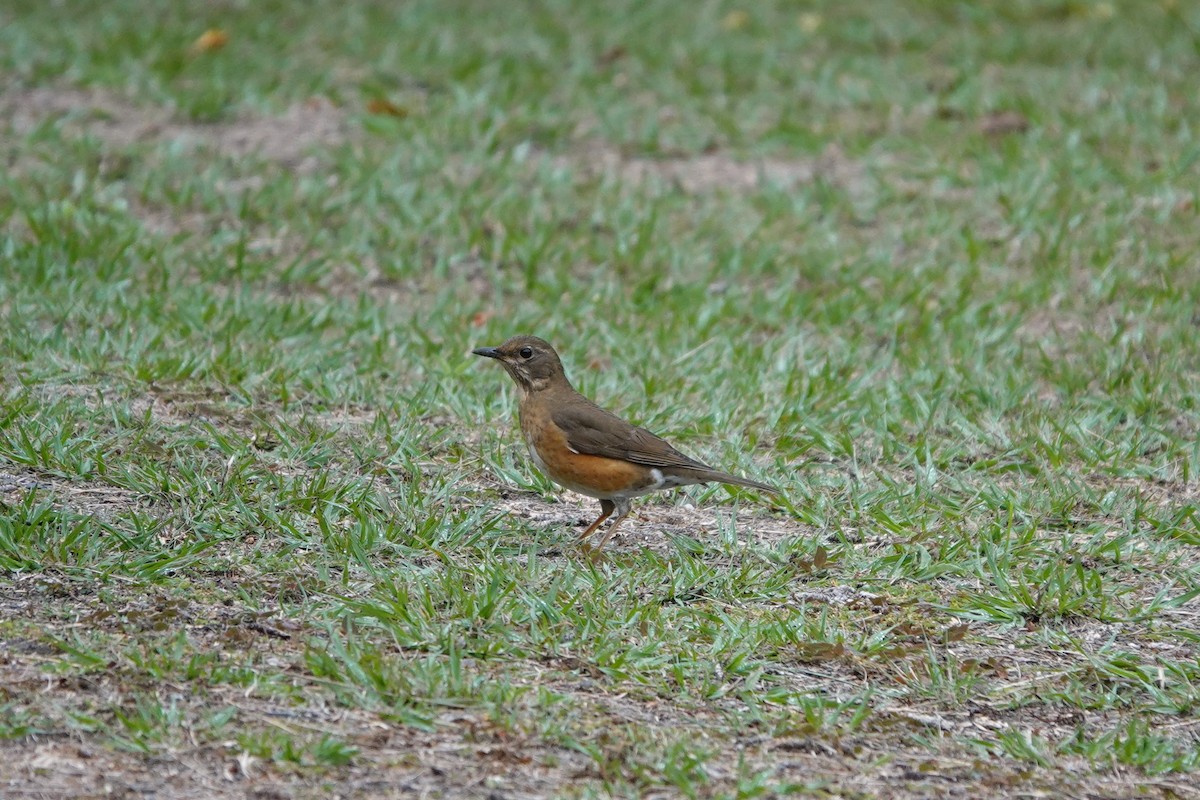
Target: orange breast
<point>595,476</point>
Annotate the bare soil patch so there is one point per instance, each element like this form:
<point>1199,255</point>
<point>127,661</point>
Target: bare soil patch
<point>287,138</point>
<point>86,497</point>
<point>651,524</point>
<point>712,172</point>
<point>293,139</point>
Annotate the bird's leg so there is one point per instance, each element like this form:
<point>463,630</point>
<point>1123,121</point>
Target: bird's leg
<point>622,512</point>
<point>606,509</point>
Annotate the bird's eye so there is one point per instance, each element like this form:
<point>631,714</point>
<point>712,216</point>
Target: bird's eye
<point>526,352</point>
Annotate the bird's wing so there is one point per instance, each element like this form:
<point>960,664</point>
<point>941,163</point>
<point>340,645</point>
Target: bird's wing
<point>593,431</point>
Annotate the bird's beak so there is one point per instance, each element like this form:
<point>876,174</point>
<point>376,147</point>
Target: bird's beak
<point>487,352</point>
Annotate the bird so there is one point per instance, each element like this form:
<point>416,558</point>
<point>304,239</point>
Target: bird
<point>588,449</point>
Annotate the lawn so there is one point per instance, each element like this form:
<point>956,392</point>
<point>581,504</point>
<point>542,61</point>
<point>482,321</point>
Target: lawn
<point>268,529</point>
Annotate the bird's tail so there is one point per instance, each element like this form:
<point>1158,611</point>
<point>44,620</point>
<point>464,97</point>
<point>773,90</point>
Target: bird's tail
<point>725,477</point>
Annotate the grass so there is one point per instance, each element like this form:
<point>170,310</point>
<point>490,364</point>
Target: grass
<point>266,525</point>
